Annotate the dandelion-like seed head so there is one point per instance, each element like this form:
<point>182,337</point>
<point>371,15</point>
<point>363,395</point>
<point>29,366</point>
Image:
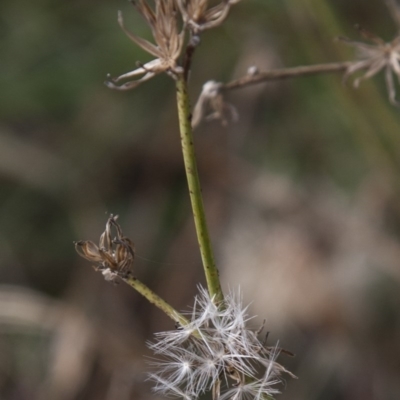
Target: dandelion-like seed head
<point>374,57</point>
<point>216,352</point>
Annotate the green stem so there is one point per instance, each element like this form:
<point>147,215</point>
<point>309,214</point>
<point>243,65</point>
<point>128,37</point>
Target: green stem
<point>153,298</point>
<point>189,157</point>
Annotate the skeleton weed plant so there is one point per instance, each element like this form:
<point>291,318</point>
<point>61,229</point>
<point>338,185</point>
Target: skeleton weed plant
<point>212,348</point>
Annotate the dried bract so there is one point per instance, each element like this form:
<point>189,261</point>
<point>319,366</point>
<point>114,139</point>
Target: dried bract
<point>168,47</point>
<point>216,352</point>
<point>198,16</point>
<point>113,257</point>
<point>211,99</point>
<point>375,57</point>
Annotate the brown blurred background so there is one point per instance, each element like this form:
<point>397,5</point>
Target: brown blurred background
<point>302,197</point>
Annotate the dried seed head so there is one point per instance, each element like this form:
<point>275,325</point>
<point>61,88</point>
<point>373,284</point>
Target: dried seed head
<point>167,48</point>
<point>113,256</point>
<point>198,16</point>
<point>216,352</point>
<point>374,58</point>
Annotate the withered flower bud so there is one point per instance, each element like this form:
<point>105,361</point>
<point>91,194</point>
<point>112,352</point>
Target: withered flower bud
<point>198,16</point>
<point>211,105</point>
<point>113,257</point>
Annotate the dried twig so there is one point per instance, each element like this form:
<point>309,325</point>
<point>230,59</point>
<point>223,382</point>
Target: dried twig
<point>277,74</point>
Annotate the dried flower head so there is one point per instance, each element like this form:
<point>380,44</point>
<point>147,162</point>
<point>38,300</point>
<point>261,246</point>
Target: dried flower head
<point>211,99</point>
<point>375,57</point>
<point>169,41</point>
<point>114,257</point>
<point>198,16</point>
<point>216,352</point>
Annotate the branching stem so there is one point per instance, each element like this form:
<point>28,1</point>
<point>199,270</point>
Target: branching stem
<point>153,298</point>
<point>285,73</point>
<point>187,59</point>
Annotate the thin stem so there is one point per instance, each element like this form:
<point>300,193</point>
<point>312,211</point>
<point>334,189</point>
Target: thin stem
<point>285,73</point>
<point>188,57</point>
<point>189,157</point>
<point>153,298</point>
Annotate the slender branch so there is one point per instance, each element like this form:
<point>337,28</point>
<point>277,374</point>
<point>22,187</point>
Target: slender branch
<point>189,157</point>
<point>285,73</point>
<point>153,298</point>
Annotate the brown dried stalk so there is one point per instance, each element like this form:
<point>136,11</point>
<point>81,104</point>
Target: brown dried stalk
<point>285,73</point>
<point>211,103</point>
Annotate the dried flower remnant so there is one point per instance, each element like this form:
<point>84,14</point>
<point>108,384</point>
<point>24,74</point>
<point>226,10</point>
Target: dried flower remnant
<point>169,41</point>
<point>212,99</point>
<point>375,57</point>
<point>216,352</point>
<point>114,257</point>
<point>198,16</point>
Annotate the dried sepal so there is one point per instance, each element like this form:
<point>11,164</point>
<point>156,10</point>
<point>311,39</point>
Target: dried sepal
<point>88,250</point>
<point>113,256</point>
<point>216,390</point>
<point>167,48</point>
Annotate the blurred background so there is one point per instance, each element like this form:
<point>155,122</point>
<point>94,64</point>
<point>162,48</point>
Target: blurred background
<point>302,197</point>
